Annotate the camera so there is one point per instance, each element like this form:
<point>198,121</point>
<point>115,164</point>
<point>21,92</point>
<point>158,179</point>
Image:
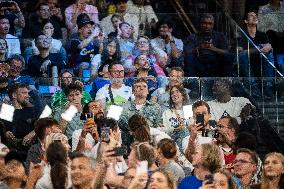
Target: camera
<point>210,133</point>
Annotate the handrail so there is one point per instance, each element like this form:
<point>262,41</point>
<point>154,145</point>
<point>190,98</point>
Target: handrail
<point>178,7</point>
<point>249,40</point>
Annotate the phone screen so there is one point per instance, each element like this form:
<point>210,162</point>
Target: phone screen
<point>105,134</point>
<point>142,167</point>
<point>200,119</point>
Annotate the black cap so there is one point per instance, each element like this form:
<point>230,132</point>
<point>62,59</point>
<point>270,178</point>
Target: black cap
<point>83,19</point>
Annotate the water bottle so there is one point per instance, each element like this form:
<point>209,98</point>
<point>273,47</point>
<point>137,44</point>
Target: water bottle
<point>54,76</point>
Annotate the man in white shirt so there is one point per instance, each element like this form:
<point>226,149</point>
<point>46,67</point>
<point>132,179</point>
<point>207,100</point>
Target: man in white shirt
<point>12,41</point>
<point>115,93</point>
<point>200,130</point>
<point>168,43</point>
<point>224,102</point>
<point>132,19</point>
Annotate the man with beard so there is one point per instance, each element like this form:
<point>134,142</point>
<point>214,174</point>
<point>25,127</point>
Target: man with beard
<point>115,93</point>
<point>59,99</point>
<point>224,103</point>
<point>140,105</point>
<point>41,65</point>
<point>12,41</point>
<point>206,52</point>
<point>87,137</point>
<point>20,132</point>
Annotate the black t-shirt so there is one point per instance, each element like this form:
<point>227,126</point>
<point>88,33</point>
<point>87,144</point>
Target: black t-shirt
<point>33,28</point>
<point>36,61</point>
<point>260,38</point>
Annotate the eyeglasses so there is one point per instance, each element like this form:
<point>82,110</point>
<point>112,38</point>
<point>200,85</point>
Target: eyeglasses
<point>241,161</point>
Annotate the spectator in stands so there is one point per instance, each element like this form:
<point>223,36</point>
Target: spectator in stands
<point>55,11</point>
<point>59,99</point>
<point>224,103</point>
<point>79,7</point>
<point>13,171</point>
<point>56,173</point>
<point>206,160</point>
<point>17,73</point>
<point>115,93</point>
<point>110,53</point>
<point>3,152</point>
<point>41,65</point>
<point>168,43</point>
<point>15,17</point>
<point>250,55</point>
<point>146,16</point>
<point>140,105</point>
<point>86,138</point>
<point>12,41</point>
<point>162,94</point>
<point>174,122</point>
<point>74,96</point>
<point>143,70</point>
<point>245,165</point>
<point>102,80</point>
<point>43,127</point>
<point>82,172</point>
<point>166,154</point>
<point>56,45</point>
<point>227,133</point>
<point>110,23</point>
<point>58,136</point>
<point>20,132</point>
<point>3,50</point>
<point>84,44</point>
<point>138,130</point>
<point>125,41</point>
<point>206,52</point>
<point>162,179</point>
<point>156,62</point>
<point>221,180</point>
<point>272,176</point>
<point>142,151</point>
<point>33,27</point>
<point>199,129</point>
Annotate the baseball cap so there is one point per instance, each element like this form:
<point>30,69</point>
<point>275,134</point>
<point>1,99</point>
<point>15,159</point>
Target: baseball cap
<point>83,19</point>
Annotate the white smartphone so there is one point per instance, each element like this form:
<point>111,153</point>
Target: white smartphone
<point>7,112</point>
<point>142,167</point>
<point>114,112</point>
<point>69,113</point>
<point>46,112</point>
<point>187,111</point>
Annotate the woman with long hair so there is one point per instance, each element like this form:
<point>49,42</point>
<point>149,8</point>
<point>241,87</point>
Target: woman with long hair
<point>174,121</point>
<point>273,172</point>
<point>206,160</point>
<point>56,172</point>
<point>110,53</point>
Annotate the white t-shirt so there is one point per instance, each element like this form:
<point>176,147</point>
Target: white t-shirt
<point>120,96</point>
<point>13,45</point>
<point>198,141</point>
<point>233,108</point>
<point>170,120</point>
<point>89,142</point>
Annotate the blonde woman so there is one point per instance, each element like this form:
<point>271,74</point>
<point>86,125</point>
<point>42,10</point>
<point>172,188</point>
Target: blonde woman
<point>273,172</point>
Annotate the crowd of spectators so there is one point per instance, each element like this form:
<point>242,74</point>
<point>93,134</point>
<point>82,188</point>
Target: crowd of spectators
<point>91,98</point>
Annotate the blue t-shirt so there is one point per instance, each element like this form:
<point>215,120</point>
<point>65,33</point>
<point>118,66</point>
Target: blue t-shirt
<point>190,182</point>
